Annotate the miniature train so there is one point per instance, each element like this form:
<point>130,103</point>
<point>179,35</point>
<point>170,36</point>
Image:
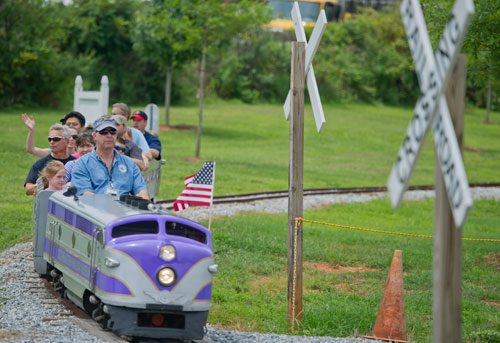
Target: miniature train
<point>139,271</point>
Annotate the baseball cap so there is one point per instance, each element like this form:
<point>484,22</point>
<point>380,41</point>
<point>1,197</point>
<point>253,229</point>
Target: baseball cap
<point>139,115</point>
<point>104,122</point>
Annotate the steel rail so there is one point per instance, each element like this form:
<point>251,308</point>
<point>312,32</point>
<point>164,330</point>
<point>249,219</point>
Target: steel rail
<point>249,197</point>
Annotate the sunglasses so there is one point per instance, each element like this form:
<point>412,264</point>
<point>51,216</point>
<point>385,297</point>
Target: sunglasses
<point>120,148</point>
<point>75,137</point>
<point>55,139</point>
<point>104,132</point>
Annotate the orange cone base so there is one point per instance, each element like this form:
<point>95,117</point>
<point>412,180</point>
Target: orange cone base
<point>390,324</point>
<point>385,339</point>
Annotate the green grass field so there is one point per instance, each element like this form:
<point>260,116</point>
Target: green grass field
<point>357,148</point>
<point>345,271</point>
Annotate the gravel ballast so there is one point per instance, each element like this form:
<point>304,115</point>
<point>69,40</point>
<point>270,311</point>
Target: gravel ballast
<point>28,313</point>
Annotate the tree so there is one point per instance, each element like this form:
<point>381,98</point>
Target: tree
<point>164,34</point>
<point>102,29</point>
<point>481,44</point>
<point>216,24</point>
<point>483,49</point>
<point>33,66</point>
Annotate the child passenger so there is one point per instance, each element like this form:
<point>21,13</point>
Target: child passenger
<point>52,177</point>
<point>84,145</point>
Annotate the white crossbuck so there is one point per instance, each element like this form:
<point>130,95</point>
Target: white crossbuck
<point>311,49</point>
<point>433,71</point>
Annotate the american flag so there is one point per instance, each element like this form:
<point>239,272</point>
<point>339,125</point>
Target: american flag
<point>199,188</point>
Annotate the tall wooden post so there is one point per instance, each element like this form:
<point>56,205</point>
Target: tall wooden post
<point>295,185</point>
<point>447,259</point>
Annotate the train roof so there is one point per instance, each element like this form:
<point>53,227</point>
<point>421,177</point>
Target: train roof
<point>99,208</point>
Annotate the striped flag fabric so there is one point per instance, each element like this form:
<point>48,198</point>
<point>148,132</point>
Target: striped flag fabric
<point>199,188</point>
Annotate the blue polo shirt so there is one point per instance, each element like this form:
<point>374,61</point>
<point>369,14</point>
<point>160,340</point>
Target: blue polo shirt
<point>91,174</point>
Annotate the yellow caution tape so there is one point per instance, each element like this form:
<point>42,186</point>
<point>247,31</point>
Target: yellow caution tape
<point>300,219</point>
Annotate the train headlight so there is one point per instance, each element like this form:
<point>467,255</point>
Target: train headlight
<point>166,276</point>
<point>167,252</point>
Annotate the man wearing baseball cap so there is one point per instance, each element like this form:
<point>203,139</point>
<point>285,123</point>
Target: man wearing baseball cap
<point>140,121</point>
<point>104,170</point>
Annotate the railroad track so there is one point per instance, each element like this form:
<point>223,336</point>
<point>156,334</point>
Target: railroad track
<point>66,310</point>
<point>249,197</point>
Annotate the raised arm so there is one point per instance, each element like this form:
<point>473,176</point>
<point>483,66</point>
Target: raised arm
<point>29,122</point>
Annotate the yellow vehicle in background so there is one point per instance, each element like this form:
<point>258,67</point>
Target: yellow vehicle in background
<point>335,10</point>
<point>309,9</point>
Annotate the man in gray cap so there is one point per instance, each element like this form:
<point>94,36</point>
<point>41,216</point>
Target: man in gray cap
<point>105,171</point>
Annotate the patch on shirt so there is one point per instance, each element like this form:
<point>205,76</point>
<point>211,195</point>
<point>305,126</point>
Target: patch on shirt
<point>122,168</point>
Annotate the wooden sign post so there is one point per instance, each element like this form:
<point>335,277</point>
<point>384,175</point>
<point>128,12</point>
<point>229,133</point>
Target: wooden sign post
<point>447,256</point>
<point>453,198</point>
<point>295,188</point>
<point>302,55</point>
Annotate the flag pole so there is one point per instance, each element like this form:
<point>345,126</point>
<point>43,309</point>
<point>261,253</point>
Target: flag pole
<point>211,205</point>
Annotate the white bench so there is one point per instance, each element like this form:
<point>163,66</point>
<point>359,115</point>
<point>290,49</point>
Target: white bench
<point>153,113</point>
<point>92,104</point>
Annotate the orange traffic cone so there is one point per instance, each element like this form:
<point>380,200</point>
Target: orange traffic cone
<point>390,324</point>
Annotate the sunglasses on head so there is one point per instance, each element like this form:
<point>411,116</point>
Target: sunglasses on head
<point>74,136</point>
<point>104,132</point>
<point>55,139</point>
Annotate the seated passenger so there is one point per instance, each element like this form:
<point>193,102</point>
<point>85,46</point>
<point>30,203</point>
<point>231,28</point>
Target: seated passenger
<point>103,170</point>
<point>75,120</point>
<point>52,177</point>
<point>121,126</point>
<point>131,150</point>
<point>30,123</point>
<point>58,141</point>
<point>84,145</point>
<point>130,133</point>
<point>140,121</point>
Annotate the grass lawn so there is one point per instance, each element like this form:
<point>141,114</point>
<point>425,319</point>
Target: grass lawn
<point>357,148</point>
<point>345,271</point>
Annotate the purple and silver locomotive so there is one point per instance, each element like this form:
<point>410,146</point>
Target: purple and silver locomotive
<point>139,271</point>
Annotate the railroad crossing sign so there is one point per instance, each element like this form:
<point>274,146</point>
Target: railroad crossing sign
<point>311,49</point>
<point>433,71</point>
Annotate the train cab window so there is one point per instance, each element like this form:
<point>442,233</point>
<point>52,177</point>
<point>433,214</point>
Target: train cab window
<point>135,228</point>
<point>178,229</point>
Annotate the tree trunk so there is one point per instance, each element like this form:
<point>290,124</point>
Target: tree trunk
<point>488,103</point>
<point>201,94</point>
<point>168,92</point>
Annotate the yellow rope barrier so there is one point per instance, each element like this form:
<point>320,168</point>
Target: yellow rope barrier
<point>294,270</point>
<point>388,232</point>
